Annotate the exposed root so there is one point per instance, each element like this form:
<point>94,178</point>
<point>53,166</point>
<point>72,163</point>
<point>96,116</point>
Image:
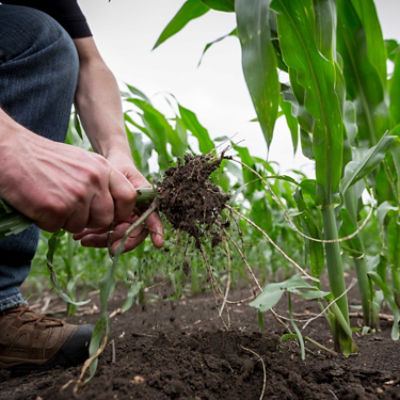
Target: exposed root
<point>293,225</point>
<point>228,283</point>
<point>263,367</point>
<point>244,259</point>
<point>265,234</point>
<point>80,382</point>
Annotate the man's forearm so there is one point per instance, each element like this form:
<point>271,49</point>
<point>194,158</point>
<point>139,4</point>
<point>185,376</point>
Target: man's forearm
<point>98,102</point>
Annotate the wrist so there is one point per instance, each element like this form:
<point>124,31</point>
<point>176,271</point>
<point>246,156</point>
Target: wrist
<point>117,147</point>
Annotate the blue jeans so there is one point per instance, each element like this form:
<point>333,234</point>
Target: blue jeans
<point>38,77</point>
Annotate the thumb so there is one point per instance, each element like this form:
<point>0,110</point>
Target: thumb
<point>123,194</point>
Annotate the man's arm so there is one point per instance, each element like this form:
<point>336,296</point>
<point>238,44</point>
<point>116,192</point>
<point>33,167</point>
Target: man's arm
<point>57,185</point>
<point>98,103</point>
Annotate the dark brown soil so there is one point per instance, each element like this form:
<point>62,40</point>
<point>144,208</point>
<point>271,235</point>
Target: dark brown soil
<point>180,350</point>
<point>189,200</point>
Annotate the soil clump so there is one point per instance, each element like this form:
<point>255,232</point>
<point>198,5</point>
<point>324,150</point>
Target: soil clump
<point>188,198</point>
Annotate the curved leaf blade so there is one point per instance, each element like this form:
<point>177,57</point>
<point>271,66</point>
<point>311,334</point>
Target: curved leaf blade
<point>192,9</point>
<point>363,81</point>
<point>207,47</point>
<point>367,13</point>
<point>259,61</point>
<point>355,170</point>
<point>220,5</point>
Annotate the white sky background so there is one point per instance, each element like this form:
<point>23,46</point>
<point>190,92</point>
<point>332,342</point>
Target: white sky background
<point>125,32</point>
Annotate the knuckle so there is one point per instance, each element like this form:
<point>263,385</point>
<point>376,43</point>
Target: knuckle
<point>55,208</point>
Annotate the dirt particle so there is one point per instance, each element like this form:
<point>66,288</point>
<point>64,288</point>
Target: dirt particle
<point>138,380</point>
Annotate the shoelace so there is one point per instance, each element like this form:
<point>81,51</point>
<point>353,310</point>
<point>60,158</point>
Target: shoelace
<point>36,318</point>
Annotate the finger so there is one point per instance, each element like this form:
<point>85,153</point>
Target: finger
<point>156,230</point>
<point>130,243</point>
<point>51,224</point>
<point>123,193</point>
<point>101,211</point>
<point>104,239</point>
<point>89,231</point>
<point>78,220</point>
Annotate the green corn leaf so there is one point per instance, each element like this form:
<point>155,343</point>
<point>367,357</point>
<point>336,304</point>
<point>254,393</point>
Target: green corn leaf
<point>287,336</point>
<point>137,93</point>
<point>285,178</point>
<point>97,335</point>
<point>135,124</point>
<point>260,320</point>
<point>191,123</point>
<point>141,152</point>
<point>392,49</point>
<point>376,51</point>
<point>295,94</point>
<point>291,122</point>
<point>388,296</point>
<point>53,244</point>
<point>325,22</point>
<point>77,125</point>
<point>363,68</point>
<point>393,238</point>
<point>268,298</point>
<point>259,61</point>
<point>340,318</point>
<point>11,221</point>
<point>190,10</point>
<point>250,179</point>
<point>275,42</point>
<point>296,329</point>
<point>310,226</point>
<point>107,285</point>
<point>306,144</point>
<point>395,92</point>
<point>382,211</point>
<point>273,292</point>
<point>132,293</point>
<point>350,121</point>
<point>316,75</point>
<point>207,47</point>
<point>160,132</point>
<point>312,294</point>
<point>220,5</point>
<point>356,170</point>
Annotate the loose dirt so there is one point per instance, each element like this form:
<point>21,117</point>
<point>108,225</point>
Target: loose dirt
<point>181,350</point>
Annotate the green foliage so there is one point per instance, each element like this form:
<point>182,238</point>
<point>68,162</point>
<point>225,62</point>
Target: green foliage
<point>258,61</point>
<point>11,221</point>
<point>191,9</point>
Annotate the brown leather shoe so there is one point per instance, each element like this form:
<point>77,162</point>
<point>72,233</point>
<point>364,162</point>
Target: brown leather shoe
<point>30,341</point>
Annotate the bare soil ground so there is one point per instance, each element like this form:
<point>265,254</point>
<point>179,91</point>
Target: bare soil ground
<point>181,350</point>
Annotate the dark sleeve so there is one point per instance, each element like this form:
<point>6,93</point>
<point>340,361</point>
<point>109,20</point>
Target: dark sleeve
<point>66,12</point>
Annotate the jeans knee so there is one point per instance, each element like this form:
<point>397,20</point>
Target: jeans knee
<point>27,34</point>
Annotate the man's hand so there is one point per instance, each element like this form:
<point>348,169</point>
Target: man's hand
<point>60,186</point>
<point>153,225</point>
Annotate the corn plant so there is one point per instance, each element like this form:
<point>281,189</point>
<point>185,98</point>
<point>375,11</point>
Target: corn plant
<point>336,104</point>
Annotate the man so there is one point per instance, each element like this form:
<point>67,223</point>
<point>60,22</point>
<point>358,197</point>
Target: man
<point>44,66</point>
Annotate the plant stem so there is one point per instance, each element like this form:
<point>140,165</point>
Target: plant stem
<point>396,284</point>
<point>343,342</point>
<point>145,196</point>
<point>369,310</point>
